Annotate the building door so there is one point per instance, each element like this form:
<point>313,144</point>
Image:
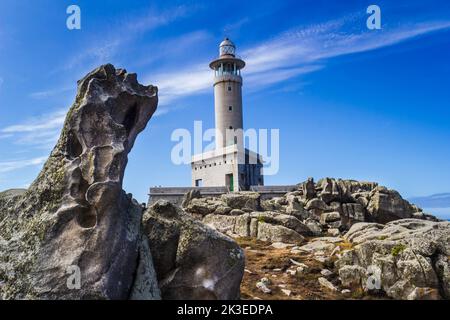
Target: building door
<point>229,181</point>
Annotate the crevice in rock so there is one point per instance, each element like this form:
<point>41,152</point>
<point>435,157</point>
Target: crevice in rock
<point>130,118</point>
<point>87,218</point>
<point>434,259</point>
<point>74,147</point>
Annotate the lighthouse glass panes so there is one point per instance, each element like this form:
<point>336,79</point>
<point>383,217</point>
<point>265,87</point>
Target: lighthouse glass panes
<point>227,49</point>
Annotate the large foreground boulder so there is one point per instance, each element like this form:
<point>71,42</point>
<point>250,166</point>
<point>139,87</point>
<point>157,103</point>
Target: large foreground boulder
<point>407,258</point>
<point>192,260</point>
<point>75,234</point>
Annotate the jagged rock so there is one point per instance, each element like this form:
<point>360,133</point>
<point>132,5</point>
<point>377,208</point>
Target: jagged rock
<point>309,189</point>
<point>222,210</point>
<point>277,233</point>
<point>187,198</point>
<point>316,204</point>
<point>263,285</point>
<point>241,200</point>
<point>352,213</point>
<point>333,232</point>
<point>352,276</point>
<point>330,190</point>
<point>222,223</point>
<point>330,217</point>
<point>387,205</point>
<point>295,207</point>
<point>75,214</point>
<point>406,252</point>
<point>203,206</point>
<point>314,227</point>
<point>272,204</point>
<point>327,284</point>
<point>192,260</point>
<point>283,220</point>
<point>322,244</point>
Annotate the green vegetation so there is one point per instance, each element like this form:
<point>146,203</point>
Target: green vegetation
<point>395,251</point>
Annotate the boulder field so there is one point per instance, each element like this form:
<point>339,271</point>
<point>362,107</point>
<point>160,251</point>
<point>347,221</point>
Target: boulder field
<point>76,234</point>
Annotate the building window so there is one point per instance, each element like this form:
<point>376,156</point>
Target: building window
<point>230,108</point>
<point>199,183</point>
<point>231,127</point>
<point>229,88</point>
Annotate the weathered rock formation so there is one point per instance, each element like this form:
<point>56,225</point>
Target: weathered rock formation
<point>192,260</point>
<point>329,207</point>
<point>75,214</point>
<point>409,258</point>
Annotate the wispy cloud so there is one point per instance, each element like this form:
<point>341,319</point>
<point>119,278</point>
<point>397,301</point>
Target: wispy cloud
<point>40,132</point>
<point>106,46</point>
<point>13,165</point>
<point>296,52</point>
<point>49,93</point>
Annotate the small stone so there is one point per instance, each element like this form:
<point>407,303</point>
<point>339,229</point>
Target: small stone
<point>334,232</point>
<point>292,272</point>
<point>298,263</point>
<point>281,245</point>
<point>346,292</point>
<point>286,292</point>
<point>263,285</point>
<point>327,284</point>
<point>301,270</point>
<point>326,272</point>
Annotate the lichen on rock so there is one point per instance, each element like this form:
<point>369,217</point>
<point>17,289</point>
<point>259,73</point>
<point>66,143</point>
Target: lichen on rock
<point>75,213</point>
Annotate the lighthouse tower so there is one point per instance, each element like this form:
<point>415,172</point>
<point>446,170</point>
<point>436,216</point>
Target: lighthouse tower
<point>227,95</point>
<point>230,165</point>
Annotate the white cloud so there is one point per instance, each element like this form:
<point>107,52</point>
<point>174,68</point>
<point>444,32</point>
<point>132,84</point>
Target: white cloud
<point>41,132</point>
<point>49,93</point>
<point>106,45</point>
<point>295,52</point>
<point>8,166</point>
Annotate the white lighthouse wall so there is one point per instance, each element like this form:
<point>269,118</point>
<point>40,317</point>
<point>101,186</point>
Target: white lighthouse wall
<point>223,100</point>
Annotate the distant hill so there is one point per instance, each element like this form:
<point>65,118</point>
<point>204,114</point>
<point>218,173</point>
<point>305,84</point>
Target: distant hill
<point>440,200</point>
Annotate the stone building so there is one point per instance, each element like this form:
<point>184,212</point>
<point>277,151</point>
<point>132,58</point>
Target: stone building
<point>230,164</point>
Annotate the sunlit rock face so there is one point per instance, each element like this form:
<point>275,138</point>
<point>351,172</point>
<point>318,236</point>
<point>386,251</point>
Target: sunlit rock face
<point>75,214</point>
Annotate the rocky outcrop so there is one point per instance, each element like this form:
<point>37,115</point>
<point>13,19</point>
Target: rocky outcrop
<point>265,226</point>
<point>329,207</point>
<point>407,258</point>
<point>75,219</point>
<point>192,260</point>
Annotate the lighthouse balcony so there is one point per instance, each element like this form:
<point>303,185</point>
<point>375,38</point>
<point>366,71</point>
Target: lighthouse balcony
<point>227,78</point>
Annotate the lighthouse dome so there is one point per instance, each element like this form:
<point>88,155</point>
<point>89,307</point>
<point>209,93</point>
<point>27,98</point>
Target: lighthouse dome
<point>227,47</point>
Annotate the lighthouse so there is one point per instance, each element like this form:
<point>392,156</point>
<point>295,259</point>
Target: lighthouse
<point>230,164</point>
<point>227,95</point>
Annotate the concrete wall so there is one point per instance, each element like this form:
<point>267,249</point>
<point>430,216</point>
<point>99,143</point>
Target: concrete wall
<point>212,167</point>
<point>175,194</point>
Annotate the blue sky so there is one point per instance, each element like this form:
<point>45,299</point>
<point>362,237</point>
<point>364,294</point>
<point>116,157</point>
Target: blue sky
<point>349,102</point>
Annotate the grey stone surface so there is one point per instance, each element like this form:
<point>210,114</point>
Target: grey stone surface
<point>192,260</point>
<point>75,213</point>
<point>410,254</point>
